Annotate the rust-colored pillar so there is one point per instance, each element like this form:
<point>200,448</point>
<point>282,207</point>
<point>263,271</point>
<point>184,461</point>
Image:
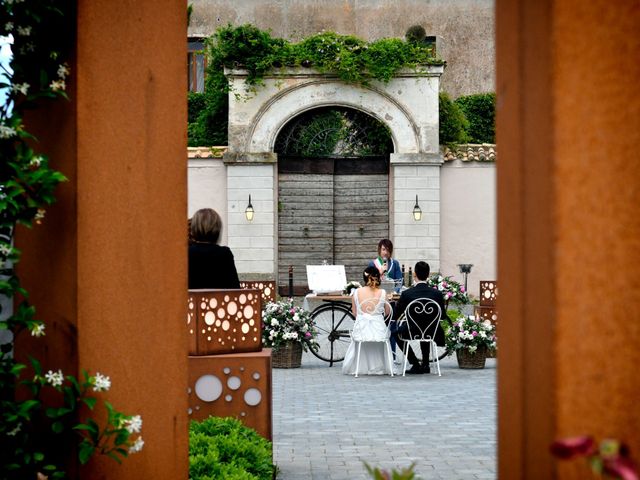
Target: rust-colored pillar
<point>107,268</point>
<point>568,228</point>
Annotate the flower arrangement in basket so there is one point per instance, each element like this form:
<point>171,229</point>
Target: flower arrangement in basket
<point>451,290</point>
<point>283,322</point>
<point>470,334</point>
<point>351,287</point>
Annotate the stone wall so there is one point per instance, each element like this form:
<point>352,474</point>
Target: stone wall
<point>465,28</point>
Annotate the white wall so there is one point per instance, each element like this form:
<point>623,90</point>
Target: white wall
<point>207,188</point>
<point>468,220</point>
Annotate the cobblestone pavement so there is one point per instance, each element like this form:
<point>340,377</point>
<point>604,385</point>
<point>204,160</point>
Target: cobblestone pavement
<point>325,424</point>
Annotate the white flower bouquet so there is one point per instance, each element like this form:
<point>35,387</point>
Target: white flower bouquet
<point>284,322</point>
<point>351,287</point>
<point>469,333</point>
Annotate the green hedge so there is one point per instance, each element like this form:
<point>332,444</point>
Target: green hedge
<point>225,449</point>
<point>453,123</point>
<point>480,110</point>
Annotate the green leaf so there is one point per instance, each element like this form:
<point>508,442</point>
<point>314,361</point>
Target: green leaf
<point>85,451</point>
<point>90,402</point>
<point>38,456</point>
<point>57,427</point>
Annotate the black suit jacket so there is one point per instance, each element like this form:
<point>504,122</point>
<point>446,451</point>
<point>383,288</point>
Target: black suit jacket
<point>211,266</point>
<point>422,290</point>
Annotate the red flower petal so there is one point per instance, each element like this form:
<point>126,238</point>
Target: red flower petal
<point>571,447</point>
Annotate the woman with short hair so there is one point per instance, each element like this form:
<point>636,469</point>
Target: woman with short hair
<point>210,265</point>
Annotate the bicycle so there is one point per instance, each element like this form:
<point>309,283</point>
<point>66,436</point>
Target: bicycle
<point>334,322</point>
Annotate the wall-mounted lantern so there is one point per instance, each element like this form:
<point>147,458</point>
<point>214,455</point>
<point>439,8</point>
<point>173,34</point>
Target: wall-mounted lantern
<point>249,210</point>
<point>417,213</point>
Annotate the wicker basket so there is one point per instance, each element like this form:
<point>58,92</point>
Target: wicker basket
<point>467,359</point>
<point>288,355</point>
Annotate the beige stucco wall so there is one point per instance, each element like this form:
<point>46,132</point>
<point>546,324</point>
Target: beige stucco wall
<point>465,27</point>
<point>207,188</point>
<point>468,220</point>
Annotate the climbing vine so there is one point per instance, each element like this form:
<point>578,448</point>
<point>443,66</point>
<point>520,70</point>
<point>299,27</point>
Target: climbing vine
<point>40,408</point>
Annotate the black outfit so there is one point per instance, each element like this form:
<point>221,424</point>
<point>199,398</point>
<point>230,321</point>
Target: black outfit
<point>420,290</point>
<point>211,266</point>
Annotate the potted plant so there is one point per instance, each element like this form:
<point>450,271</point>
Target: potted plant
<point>451,290</point>
<point>289,330</point>
<point>470,338</point>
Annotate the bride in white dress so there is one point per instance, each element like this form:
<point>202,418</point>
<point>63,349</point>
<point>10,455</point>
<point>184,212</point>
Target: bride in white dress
<point>370,308</point>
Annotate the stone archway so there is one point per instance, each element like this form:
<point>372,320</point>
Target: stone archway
<point>407,105</point>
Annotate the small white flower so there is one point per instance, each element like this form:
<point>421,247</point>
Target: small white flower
<point>137,445</point>
<point>24,31</point>
<point>23,88</point>
<point>6,249</point>
<point>38,330</point>
<point>63,71</point>
<point>13,432</point>
<point>7,132</point>
<point>57,85</point>
<point>101,383</point>
<point>35,162</point>
<point>8,26</point>
<point>39,215</point>
<point>54,378</point>
<point>274,323</point>
<point>133,424</point>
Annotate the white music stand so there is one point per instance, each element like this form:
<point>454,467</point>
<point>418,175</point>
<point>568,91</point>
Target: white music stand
<point>326,279</point>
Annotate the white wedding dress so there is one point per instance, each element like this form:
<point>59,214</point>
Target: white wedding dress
<point>370,329</point>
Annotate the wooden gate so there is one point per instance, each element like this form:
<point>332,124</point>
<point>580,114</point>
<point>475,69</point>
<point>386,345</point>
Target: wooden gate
<point>330,209</point>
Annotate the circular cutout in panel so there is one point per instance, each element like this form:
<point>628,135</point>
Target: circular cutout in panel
<point>228,398</point>
<point>232,308</point>
<point>226,298</point>
<point>189,411</point>
<point>209,318</point>
<point>221,312</point>
<point>243,414</point>
<point>487,294</point>
<point>188,390</point>
<point>208,339</point>
<point>226,370</point>
<point>225,326</point>
<point>191,305</point>
<point>234,383</point>
<point>248,311</point>
<point>250,296</point>
<point>267,291</point>
<point>218,323</point>
<point>213,303</point>
<point>188,318</point>
<point>252,397</point>
<point>208,388</point>
<point>203,305</point>
<point>251,322</point>
<point>256,375</point>
<point>242,299</point>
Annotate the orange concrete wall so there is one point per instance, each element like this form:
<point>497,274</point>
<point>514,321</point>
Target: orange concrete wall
<point>108,266</point>
<point>568,228</point>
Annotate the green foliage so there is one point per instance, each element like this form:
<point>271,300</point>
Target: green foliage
<point>40,420</point>
<point>224,449</point>
<point>453,123</point>
<point>480,110</point>
<point>350,58</point>
<point>378,474</point>
<point>415,33</point>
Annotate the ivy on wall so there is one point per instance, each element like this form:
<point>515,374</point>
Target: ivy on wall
<point>353,60</point>
<point>480,110</point>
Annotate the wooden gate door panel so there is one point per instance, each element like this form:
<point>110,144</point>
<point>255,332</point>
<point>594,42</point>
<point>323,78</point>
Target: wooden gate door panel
<point>361,219</point>
<point>335,211</point>
<point>305,224</point>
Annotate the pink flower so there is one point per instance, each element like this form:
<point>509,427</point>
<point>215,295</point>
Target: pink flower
<point>462,289</point>
<point>474,334</point>
<point>307,335</point>
<point>573,447</point>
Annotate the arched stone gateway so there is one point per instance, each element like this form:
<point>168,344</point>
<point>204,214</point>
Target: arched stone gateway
<point>407,106</point>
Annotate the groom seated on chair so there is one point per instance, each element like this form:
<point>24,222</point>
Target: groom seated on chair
<point>420,289</point>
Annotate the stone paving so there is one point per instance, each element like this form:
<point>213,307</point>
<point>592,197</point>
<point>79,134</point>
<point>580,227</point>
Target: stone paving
<point>325,424</point>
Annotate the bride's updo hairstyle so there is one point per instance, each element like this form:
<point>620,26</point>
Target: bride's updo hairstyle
<point>371,277</point>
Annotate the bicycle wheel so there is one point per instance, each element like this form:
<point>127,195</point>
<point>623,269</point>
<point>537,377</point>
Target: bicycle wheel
<point>334,323</point>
